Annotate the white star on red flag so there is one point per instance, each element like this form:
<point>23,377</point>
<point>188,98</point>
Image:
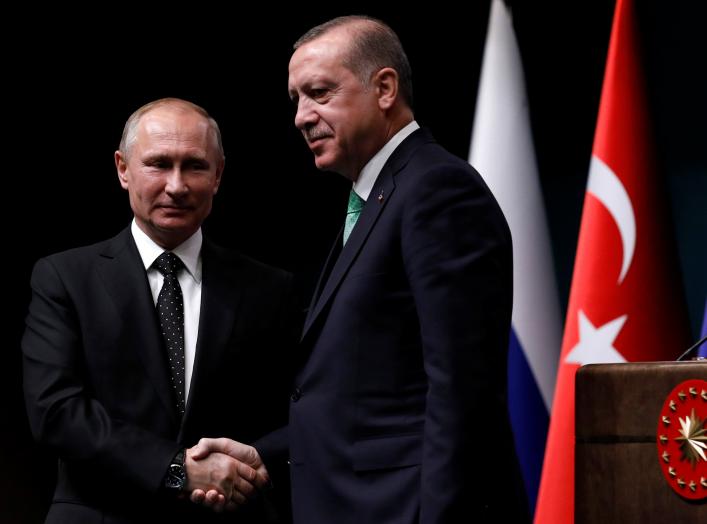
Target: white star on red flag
<point>596,344</point>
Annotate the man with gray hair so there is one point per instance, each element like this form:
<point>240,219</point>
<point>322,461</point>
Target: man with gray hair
<point>135,347</point>
<point>399,414</point>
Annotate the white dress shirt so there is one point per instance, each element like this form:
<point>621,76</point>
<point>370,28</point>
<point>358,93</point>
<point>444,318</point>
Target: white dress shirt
<point>189,252</point>
<point>369,173</point>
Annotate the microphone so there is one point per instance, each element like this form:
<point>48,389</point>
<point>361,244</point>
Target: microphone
<point>692,348</point>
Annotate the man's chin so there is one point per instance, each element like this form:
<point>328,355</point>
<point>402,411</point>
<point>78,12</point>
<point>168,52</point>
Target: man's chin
<point>177,224</point>
<point>323,163</point>
<point>331,167</point>
<point>174,223</point>
<point>173,233</point>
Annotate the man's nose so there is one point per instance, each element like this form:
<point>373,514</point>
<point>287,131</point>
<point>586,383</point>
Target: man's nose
<point>305,116</point>
<point>176,182</point>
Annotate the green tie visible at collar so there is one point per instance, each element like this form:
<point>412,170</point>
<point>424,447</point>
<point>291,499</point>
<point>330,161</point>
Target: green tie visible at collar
<point>356,204</point>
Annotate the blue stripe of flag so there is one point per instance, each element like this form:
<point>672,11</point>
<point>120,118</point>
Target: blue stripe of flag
<point>702,352</point>
<point>529,418</point>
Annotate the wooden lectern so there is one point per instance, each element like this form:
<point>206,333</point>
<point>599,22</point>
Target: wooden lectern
<point>618,477</point>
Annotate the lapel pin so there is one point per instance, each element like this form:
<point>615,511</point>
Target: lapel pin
<point>381,197</point>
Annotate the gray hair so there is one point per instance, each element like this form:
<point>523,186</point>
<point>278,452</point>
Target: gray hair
<point>374,46</point>
<point>130,129</point>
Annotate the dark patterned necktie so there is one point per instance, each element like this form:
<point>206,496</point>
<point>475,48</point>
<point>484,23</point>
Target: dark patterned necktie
<point>170,309</point>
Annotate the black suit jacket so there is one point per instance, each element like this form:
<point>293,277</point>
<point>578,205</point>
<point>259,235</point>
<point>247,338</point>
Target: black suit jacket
<point>97,383</point>
<point>399,415</point>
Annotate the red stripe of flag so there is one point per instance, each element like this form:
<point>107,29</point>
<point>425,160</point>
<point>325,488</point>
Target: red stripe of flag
<point>626,301</point>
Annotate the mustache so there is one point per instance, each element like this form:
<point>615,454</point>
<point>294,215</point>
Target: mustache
<point>315,133</point>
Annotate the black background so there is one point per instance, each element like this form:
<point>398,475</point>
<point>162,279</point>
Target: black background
<point>73,77</point>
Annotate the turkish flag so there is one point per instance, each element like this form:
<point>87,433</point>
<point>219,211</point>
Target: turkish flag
<point>626,301</point>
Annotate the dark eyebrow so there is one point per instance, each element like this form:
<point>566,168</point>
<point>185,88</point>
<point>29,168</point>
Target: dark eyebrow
<point>195,160</point>
<point>166,159</point>
<point>151,159</point>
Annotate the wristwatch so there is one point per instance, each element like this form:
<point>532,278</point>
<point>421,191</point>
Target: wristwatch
<point>176,478</point>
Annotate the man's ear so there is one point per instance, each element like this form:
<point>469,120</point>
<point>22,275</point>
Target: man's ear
<point>385,82</point>
<point>121,166</point>
<point>219,174</point>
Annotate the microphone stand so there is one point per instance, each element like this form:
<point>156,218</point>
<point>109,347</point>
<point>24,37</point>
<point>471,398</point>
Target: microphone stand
<point>691,348</point>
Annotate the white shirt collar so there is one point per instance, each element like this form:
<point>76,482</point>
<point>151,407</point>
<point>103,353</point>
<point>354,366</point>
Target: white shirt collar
<point>188,251</point>
<point>369,173</point>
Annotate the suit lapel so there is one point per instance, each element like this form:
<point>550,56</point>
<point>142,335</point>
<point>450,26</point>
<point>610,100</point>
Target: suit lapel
<point>125,279</point>
<point>326,269</point>
<point>221,294</point>
<point>374,207</point>
<point>380,195</point>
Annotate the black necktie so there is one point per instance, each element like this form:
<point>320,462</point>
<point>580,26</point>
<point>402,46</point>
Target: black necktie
<point>170,309</point>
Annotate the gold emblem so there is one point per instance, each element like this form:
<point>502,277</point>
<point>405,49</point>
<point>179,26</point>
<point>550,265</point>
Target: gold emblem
<point>682,439</point>
<point>692,438</point>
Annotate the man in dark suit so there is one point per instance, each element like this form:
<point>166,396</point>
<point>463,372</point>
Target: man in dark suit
<point>399,414</point>
<point>120,403</point>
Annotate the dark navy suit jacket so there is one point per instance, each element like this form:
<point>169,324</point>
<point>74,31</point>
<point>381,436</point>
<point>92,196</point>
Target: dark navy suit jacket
<point>97,384</point>
<point>399,414</point>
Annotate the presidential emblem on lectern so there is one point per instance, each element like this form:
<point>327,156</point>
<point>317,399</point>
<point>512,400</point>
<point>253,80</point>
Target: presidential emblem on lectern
<point>682,439</point>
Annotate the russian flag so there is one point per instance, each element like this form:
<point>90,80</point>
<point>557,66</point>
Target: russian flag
<point>502,151</point>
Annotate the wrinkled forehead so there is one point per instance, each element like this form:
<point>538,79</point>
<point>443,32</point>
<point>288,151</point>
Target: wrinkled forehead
<point>324,57</point>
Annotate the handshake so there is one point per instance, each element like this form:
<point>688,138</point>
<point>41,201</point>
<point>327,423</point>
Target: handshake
<point>224,474</point>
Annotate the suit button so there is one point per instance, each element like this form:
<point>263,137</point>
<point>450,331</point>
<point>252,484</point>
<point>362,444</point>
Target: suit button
<point>296,395</point>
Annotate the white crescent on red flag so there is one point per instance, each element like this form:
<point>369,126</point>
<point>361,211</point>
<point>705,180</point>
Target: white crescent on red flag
<point>626,301</point>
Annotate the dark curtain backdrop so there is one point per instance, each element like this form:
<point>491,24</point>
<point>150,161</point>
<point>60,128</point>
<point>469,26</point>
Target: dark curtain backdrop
<point>72,78</point>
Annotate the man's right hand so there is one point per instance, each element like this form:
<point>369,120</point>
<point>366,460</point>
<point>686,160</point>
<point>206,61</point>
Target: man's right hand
<point>227,473</point>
